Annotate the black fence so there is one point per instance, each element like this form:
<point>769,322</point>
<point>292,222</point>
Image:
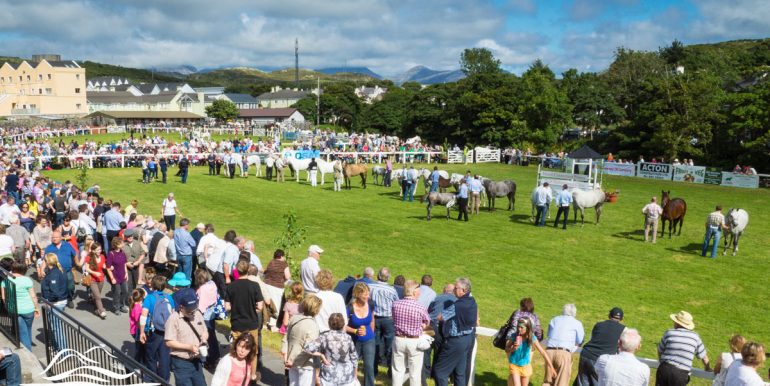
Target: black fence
<point>71,348</point>
<point>9,317</point>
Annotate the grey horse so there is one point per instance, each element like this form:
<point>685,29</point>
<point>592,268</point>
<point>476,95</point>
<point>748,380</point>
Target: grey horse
<point>505,188</point>
<point>436,198</point>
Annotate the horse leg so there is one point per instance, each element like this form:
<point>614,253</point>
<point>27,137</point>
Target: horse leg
<point>736,237</point>
<point>363,179</point>
<point>727,243</point>
<point>681,222</point>
<point>430,205</point>
<point>598,210</point>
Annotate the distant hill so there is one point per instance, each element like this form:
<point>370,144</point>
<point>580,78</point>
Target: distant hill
<point>176,72</point>
<point>350,70</point>
<point>425,75</point>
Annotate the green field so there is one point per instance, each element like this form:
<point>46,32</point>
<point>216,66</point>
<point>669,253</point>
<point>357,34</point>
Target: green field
<point>505,256</point>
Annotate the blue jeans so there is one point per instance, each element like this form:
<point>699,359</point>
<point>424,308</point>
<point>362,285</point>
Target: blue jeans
<point>59,219</point>
<point>188,372</point>
<point>540,216</point>
<point>366,351</point>
<point>59,340</point>
<point>25,329</point>
<point>70,286</point>
<point>11,366</point>
<point>183,174</point>
<point>384,332</point>
<point>213,344</point>
<point>716,233</point>
<point>453,360</point>
<point>408,191</point>
<point>185,265</point>
<point>434,187</point>
<point>158,355</point>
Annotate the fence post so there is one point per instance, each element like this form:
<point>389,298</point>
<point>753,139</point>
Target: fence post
<point>91,162</point>
<point>122,161</point>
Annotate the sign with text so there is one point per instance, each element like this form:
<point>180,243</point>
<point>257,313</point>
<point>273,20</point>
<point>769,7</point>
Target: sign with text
<point>740,180</point>
<point>301,154</point>
<point>655,171</point>
<point>688,173</point>
<point>616,169</point>
<point>712,176</point>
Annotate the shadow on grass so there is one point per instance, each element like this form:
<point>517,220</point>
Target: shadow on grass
<point>488,378</point>
<point>689,248</point>
<point>521,218</point>
<point>632,235</point>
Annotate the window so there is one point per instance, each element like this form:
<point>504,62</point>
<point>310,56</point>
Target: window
<point>49,76</point>
<point>29,78</point>
<point>78,106</point>
<point>40,91</point>
<point>21,91</point>
<point>48,91</point>
<point>2,79</point>
<point>77,90</point>
<point>77,76</point>
<point>40,77</point>
<point>21,78</point>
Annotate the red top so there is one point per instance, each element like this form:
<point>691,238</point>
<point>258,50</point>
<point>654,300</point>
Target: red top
<point>98,274</point>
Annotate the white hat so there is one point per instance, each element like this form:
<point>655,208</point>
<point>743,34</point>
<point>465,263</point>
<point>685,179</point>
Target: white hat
<point>315,248</point>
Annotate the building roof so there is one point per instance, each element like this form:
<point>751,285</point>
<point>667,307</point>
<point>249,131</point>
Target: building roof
<point>145,115</point>
<point>118,97</point>
<point>210,90</point>
<point>584,152</point>
<point>241,98</point>
<point>283,94</point>
<point>63,63</point>
<point>266,113</point>
<point>146,88</point>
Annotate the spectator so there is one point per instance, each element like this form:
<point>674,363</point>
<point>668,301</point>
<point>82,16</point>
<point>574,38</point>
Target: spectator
<point>169,210</point>
<point>409,319</point>
<point>565,335</point>
<point>66,257</point>
<point>676,350</point>
<point>383,296</point>
<point>604,340</point>
<point>623,369</point>
<point>116,270</point>
<point>26,300</point>
<point>309,268</point>
<point>519,350</point>
<point>277,274</point>
<point>361,328</point>
<point>234,368</point>
<point>186,337</point>
<point>427,294</point>
<point>153,336</point>
<point>460,321</point>
<point>244,300</point>
<point>208,297</point>
<point>95,265</point>
<point>436,308</point>
<point>727,358</point>
<point>744,372</point>
<point>332,302</point>
<point>527,310</point>
<point>337,353</point>
<point>301,330</point>
<point>185,245</point>
<point>10,365</point>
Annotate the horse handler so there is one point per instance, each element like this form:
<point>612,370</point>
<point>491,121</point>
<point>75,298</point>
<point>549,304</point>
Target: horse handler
<point>652,212</point>
<point>715,222</point>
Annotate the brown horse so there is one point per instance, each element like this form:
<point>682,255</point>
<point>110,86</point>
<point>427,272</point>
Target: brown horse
<point>352,170</point>
<point>673,212</point>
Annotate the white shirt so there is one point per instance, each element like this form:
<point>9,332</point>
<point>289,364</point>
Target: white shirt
<point>6,211</point>
<point>6,245</point>
<point>544,195</point>
<point>741,375</point>
<point>169,207</point>
<point>622,369</point>
<point>652,210</point>
<point>331,302</point>
<point>308,269</point>
<point>255,260</point>
<point>216,249</point>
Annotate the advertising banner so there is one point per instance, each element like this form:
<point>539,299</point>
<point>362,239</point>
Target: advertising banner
<point>687,173</point>
<point>655,171</point>
<point>301,154</point>
<point>740,180</point>
<point>713,176</point>
<point>616,169</point>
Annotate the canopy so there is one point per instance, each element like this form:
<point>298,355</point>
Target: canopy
<point>584,152</point>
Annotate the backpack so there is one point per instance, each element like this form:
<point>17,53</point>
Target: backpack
<point>81,234</point>
<point>160,312</point>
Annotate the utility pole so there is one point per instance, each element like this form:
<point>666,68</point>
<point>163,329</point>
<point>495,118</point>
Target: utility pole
<point>296,62</point>
<point>318,104</point>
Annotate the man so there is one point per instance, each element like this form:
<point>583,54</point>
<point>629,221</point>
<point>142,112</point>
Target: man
<point>248,246</point>
<point>623,369</point>
<point>475,187</point>
<point>309,268</point>
<point>209,251</point>
<point>112,220</point>
<point>563,200</point>
<point>243,298</point>
<point>231,254</point>
<point>441,301</point>
<point>388,172</point>
<point>408,178</point>
<point>279,165</point>
<point>12,184</point>
<point>67,258</point>
<point>434,178</point>
<point>409,319</point>
<point>604,340</point>
<point>565,335</point>
<point>715,222</point>
<point>462,201</point>
<point>185,336</point>
<point>543,198</point>
<point>269,162</point>
<point>460,320</point>
<point>185,245</point>
<point>676,351</point>
<point>427,294</point>
<point>163,163</point>
<point>9,209</point>
<point>230,161</point>
<point>60,207</point>
<point>312,169</point>
<point>169,210</point>
<point>211,160</point>
<point>383,296</point>
<point>184,166</point>
<point>10,366</point>
<point>651,212</point>
<point>152,336</point>
<point>145,170</point>
<point>20,238</point>
<point>135,257</point>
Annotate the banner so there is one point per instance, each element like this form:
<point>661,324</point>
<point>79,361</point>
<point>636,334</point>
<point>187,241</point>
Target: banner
<point>655,171</point>
<point>740,180</point>
<point>616,169</point>
<point>301,154</point>
<point>713,176</point>
<point>688,173</point>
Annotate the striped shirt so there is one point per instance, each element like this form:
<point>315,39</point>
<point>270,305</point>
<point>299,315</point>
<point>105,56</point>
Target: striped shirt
<point>715,219</point>
<point>383,295</point>
<point>679,346</point>
<point>409,316</point>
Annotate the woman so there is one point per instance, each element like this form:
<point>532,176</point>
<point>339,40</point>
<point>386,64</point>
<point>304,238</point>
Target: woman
<point>337,353</point>
<point>26,302</point>
<point>291,306</point>
<point>234,368</point>
<point>744,371</point>
<point>169,211</point>
<point>526,310</point>
<point>26,217</point>
<point>53,288</point>
<point>301,330</point>
<point>94,265</point>
<point>131,208</point>
<point>208,297</point>
<point>276,274</point>
<point>116,270</point>
<point>727,358</point>
<point>332,301</point>
<point>42,236</point>
<point>519,350</point>
<point>361,328</point>
<point>67,228</point>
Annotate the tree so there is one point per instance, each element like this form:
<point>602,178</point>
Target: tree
<point>388,115</point>
<point>545,108</point>
<point>479,61</point>
<point>223,110</point>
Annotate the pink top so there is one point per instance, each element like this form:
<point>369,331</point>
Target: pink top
<point>291,308</point>
<point>133,319</point>
<point>207,295</point>
<point>238,371</point>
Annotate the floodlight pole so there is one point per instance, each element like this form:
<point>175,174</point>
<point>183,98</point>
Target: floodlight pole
<point>318,104</point>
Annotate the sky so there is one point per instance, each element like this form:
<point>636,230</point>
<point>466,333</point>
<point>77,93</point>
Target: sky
<point>388,36</point>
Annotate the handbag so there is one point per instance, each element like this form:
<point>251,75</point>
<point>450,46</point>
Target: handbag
<point>86,280</point>
<point>501,336</point>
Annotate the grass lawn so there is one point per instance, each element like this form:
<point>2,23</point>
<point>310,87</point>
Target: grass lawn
<point>505,256</point>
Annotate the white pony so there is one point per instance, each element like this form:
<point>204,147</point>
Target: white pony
<point>326,167</point>
<point>296,165</point>
<point>736,221</point>
<point>256,161</point>
<point>582,199</point>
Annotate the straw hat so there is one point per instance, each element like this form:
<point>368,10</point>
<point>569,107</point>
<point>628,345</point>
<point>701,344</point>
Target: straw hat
<point>684,319</point>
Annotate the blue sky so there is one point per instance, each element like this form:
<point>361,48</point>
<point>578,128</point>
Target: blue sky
<point>388,36</point>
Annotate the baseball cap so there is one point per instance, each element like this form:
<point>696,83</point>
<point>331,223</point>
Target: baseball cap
<point>186,297</point>
<point>616,313</point>
<point>315,248</point>
<point>129,233</point>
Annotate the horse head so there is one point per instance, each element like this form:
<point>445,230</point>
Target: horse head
<point>665,197</point>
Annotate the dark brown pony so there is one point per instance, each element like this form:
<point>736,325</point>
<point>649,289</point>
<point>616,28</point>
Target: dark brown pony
<point>673,212</point>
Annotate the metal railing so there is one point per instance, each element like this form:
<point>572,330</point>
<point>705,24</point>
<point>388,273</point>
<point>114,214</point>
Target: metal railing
<point>9,317</point>
<point>75,353</point>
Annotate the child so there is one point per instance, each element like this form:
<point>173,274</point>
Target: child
<point>235,367</point>
<point>291,307</point>
<point>519,350</point>
<point>137,296</point>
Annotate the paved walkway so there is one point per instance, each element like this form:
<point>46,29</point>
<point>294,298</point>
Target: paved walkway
<point>114,329</point>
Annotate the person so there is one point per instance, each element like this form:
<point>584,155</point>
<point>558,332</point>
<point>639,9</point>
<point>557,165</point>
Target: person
<point>434,179</point>
<point>163,163</point>
<point>443,300</point>
<point>388,172</point>
<point>519,351</point>
<point>543,198</point>
<point>651,212</point>
<point>331,301</point>
<point>12,184</point>
<point>169,210</point>
<point>136,258</point>
<point>269,162</point>
<point>565,335</point>
<point>184,166</point>
<point>301,330</point>
<point>94,265</point>
<point>67,257</point>
<point>309,268</point>
<point>277,274</point>
<point>280,163</point>
<point>185,245</point>
<point>361,328</point>
<point>462,201</point>
<point>427,294</point>
<point>743,372</point>
<point>27,307</point>
<point>134,316</point>
<point>6,244</point>
<point>186,338</point>
<point>383,296</point>
<point>153,336</point>
<point>312,169</point>
<point>211,160</point>
<point>41,236</point>
<point>338,177</point>
<point>234,368</point>
<point>230,161</point>
<point>337,352</point>
<point>20,237</point>
<point>727,358</point>
<point>460,320</point>
<point>623,369</point>
<point>715,223</point>
<point>527,310</point>
<point>475,187</point>
<point>604,340</point>
<point>291,307</point>
<point>209,251</point>
<point>563,200</point>
<point>676,350</point>
<point>243,298</point>
<point>409,319</point>
<point>233,246</point>
<point>409,176</point>
<point>111,223</point>
<point>10,365</point>
<point>117,271</point>
<point>208,298</point>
